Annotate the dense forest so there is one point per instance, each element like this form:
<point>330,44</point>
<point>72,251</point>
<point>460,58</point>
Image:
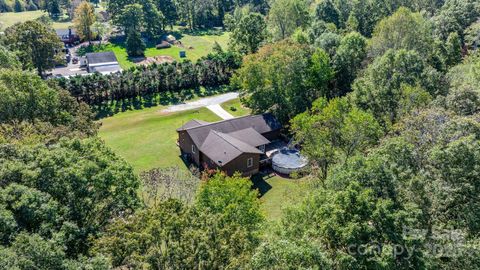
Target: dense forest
<point>382,96</point>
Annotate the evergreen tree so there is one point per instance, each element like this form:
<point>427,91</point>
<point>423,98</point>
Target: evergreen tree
<point>453,48</point>
<point>135,45</point>
<point>19,6</point>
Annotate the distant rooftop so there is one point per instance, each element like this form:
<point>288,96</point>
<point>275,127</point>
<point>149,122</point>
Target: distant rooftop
<point>101,58</point>
<point>64,32</point>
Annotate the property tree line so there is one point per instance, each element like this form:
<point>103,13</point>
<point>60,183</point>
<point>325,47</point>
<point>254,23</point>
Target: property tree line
<point>210,71</point>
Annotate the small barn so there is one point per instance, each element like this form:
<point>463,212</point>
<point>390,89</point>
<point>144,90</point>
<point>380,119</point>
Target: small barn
<point>102,62</point>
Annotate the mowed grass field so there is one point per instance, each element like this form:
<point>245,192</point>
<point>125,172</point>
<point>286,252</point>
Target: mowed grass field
<point>196,46</point>
<point>10,18</point>
<point>147,138</point>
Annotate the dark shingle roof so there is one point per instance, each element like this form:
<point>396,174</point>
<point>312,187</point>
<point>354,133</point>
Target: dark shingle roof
<point>222,148</point>
<point>101,57</point>
<point>262,123</point>
<point>64,32</point>
<point>250,136</point>
<point>191,124</point>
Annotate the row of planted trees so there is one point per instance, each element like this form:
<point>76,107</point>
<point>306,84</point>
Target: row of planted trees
<point>211,71</point>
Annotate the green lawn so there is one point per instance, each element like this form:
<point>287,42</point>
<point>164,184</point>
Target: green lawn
<point>239,109</point>
<point>10,18</point>
<point>278,192</point>
<point>201,45</point>
<point>146,138</point>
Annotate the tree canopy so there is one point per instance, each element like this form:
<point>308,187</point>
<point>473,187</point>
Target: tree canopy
<point>35,44</point>
<point>284,79</point>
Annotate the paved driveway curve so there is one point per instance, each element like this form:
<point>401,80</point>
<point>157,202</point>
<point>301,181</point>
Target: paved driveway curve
<point>218,110</point>
<point>212,103</point>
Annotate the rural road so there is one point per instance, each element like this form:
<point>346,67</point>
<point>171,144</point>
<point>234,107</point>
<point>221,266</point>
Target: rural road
<point>212,103</point>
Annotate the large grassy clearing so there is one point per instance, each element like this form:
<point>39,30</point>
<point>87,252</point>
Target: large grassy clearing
<point>196,46</point>
<point>10,18</point>
<point>147,138</point>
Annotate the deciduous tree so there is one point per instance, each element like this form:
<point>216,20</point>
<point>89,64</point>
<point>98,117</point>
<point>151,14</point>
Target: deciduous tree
<point>83,20</point>
<point>333,131</point>
<point>248,33</point>
<point>35,45</point>
<point>285,16</point>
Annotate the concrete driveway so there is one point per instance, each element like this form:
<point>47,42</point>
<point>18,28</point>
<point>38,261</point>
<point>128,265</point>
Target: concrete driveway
<point>212,103</point>
<point>218,110</point>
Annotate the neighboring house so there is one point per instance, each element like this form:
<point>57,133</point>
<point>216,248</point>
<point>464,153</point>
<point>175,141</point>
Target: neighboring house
<point>67,36</point>
<point>102,62</point>
<point>231,145</point>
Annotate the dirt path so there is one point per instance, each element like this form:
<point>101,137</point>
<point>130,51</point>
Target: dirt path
<point>204,102</point>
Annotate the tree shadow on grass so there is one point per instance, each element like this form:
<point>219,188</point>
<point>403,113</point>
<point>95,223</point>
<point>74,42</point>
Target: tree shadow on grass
<point>111,108</point>
<point>203,32</point>
<point>260,183</point>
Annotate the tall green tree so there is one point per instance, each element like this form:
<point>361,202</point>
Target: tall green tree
<point>453,48</point>
<point>455,16</point>
<point>283,78</point>
<point>169,11</point>
<point>154,20</point>
<point>248,33</point>
<point>84,19</point>
<point>285,16</point>
<point>134,44</point>
<point>36,102</point>
<point>326,11</point>
<point>380,88</point>
<point>348,59</point>
<point>132,20</point>
<point>35,45</point>
<point>53,7</point>
<point>334,131</point>
<point>403,30</point>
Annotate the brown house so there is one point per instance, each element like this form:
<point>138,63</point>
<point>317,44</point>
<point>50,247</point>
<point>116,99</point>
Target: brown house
<point>231,145</point>
<point>68,36</point>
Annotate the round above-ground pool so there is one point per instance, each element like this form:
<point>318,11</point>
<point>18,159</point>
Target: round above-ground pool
<point>286,161</point>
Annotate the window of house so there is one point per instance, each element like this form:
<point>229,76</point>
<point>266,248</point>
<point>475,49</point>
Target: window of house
<point>194,149</point>
<point>249,162</point>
